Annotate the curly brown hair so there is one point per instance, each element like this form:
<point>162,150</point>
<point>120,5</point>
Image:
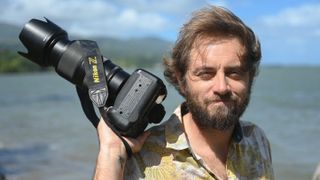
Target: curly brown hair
<point>210,22</point>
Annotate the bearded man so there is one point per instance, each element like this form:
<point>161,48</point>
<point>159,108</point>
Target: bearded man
<point>212,65</point>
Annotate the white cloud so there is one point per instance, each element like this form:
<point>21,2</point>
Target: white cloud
<point>18,10</point>
<point>121,18</point>
<point>291,34</point>
<point>176,7</point>
<point>305,15</point>
<point>143,21</point>
<point>302,22</point>
<point>223,3</point>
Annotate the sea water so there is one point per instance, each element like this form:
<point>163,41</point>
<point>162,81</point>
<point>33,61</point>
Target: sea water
<point>44,133</point>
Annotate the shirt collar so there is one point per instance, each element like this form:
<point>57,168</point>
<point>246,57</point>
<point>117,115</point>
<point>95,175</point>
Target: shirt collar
<point>174,132</point>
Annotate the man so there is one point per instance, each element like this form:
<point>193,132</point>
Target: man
<point>316,175</point>
<point>213,65</point>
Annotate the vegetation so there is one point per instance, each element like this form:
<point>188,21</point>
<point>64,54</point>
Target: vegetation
<point>136,52</point>
<point>11,62</point>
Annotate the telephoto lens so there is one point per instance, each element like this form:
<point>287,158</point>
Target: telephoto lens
<point>48,45</point>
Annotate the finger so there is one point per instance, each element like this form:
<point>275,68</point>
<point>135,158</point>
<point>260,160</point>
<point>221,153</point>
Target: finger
<point>137,143</point>
<point>143,137</point>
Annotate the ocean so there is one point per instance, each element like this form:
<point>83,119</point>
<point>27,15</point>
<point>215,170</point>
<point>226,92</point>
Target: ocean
<point>45,135</point>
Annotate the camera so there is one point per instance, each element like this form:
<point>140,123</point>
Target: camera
<point>128,102</point>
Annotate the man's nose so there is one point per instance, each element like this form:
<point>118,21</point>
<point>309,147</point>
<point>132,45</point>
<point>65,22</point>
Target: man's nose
<point>221,85</point>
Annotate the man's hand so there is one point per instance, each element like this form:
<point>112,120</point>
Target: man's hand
<point>112,153</point>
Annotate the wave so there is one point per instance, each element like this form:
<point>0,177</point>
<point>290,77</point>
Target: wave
<point>22,101</point>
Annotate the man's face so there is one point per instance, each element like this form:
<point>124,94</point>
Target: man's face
<point>217,84</point>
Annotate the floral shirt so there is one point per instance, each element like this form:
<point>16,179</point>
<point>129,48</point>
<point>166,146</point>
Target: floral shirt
<point>167,155</point>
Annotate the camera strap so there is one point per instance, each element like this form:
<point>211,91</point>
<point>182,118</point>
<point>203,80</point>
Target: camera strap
<point>95,80</point>
<point>95,75</point>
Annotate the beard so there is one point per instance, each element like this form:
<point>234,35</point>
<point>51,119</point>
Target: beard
<point>220,117</point>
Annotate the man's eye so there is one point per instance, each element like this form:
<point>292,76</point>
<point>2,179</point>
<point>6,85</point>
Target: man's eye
<point>235,74</point>
<point>205,75</point>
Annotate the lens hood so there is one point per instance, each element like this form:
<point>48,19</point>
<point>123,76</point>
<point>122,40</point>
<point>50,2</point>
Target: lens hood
<point>39,37</point>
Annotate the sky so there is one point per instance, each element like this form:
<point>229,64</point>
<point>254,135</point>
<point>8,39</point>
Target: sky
<point>289,30</point>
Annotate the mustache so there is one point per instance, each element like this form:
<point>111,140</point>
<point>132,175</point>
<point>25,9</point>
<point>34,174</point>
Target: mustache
<point>215,98</point>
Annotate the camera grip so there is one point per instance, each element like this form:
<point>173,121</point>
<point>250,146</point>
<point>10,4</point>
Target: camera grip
<point>137,97</point>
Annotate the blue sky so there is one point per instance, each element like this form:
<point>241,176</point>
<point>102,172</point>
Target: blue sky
<point>289,30</point>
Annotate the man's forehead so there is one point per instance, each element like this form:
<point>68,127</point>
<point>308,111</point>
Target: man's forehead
<point>227,52</point>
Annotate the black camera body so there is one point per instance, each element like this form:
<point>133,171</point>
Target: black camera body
<point>128,103</point>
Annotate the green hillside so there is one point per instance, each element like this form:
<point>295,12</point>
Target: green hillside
<point>9,37</point>
<point>137,52</point>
